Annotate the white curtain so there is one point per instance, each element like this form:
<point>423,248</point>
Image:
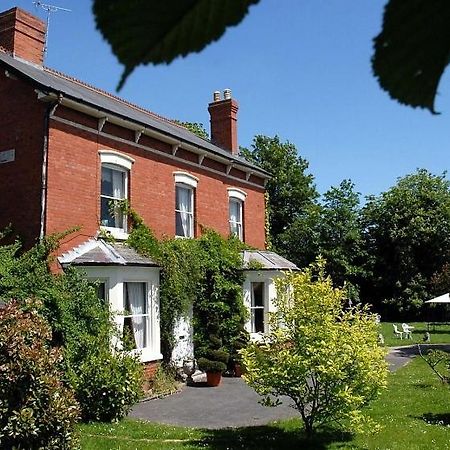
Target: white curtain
<point>136,302</point>
<point>118,193</point>
<point>184,206</point>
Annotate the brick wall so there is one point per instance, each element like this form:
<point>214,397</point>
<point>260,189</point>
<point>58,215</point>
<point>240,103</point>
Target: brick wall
<point>22,129</point>
<point>23,35</point>
<point>74,188</point>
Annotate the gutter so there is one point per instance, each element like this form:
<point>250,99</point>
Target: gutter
<point>50,110</point>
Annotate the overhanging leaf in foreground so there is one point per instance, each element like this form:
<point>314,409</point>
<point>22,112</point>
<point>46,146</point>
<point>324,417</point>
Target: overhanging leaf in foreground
<point>412,50</point>
<point>155,31</point>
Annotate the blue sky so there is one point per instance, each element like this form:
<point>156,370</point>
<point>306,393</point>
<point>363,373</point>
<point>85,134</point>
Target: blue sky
<point>298,68</point>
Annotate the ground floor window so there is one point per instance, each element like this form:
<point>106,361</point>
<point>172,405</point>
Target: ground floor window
<point>136,316</point>
<point>257,307</point>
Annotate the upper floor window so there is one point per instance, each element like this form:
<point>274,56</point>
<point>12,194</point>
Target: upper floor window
<point>236,217</point>
<point>236,212</point>
<point>185,185</point>
<point>114,189</point>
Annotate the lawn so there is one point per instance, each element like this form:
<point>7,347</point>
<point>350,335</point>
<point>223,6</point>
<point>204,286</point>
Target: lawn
<point>414,412</point>
<point>439,335</point>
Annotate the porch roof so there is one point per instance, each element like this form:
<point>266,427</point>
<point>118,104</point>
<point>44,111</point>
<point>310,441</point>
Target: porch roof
<point>97,252</point>
<point>266,260</point>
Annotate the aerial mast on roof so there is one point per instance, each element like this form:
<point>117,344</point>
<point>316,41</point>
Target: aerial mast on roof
<point>49,9</point>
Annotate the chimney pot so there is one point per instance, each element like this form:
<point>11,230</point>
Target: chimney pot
<point>223,114</point>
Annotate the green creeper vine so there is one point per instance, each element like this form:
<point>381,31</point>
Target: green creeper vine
<point>205,273</point>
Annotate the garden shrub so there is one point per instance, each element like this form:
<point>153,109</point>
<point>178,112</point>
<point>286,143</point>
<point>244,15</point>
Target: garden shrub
<point>323,356</point>
<point>36,409</point>
<point>107,384</point>
<point>81,325</point>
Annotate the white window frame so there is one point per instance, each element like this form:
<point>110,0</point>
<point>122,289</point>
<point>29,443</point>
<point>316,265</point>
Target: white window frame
<point>146,315</point>
<point>120,162</point>
<point>185,180</point>
<point>263,308</point>
<point>237,196</point>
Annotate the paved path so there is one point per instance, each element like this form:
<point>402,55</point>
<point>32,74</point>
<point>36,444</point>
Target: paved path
<point>233,403</point>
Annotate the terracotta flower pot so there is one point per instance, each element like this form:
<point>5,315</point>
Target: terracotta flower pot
<point>237,370</point>
<point>213,378</point>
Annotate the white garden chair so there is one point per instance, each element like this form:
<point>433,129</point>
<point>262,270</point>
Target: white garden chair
<point>397,332</point>
<point>407,330</point>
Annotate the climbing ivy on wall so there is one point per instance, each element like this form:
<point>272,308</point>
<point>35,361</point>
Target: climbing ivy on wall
<point>205,273</point>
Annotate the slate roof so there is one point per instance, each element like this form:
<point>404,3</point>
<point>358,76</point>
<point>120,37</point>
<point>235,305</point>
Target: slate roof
<point>267,260</point>
<point>51,81</point>
<point>101,253</point>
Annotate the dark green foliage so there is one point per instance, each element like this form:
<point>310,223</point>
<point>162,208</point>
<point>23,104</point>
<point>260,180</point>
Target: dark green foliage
<point>408,238</point>
<point>213,358</point>
<point>36,409</point>
<point>205,273</point>
<point>150,31</point>
<point>411,52</point>
<point>291,190</point>
<point>107,385</point>
<point>81,325</point>
<point>196,128</point>
<point>341,235</point>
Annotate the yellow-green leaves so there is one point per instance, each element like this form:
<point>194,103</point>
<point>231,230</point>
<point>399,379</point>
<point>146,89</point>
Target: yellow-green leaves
<point>324,356</point>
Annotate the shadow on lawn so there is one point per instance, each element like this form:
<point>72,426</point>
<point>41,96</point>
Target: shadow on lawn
<point>269,437</point>
<point>437,419</point>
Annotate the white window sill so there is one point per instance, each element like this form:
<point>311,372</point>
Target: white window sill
<point>147,354</point>
<point>117,233</point>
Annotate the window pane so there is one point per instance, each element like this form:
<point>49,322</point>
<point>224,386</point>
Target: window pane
<point>110,218</point>
<point>183,199</point>
<point>257,294</point>
<point>136,305</point>
<point>184,211</point>
<point>258,320</point>
<point>235,211</point>
<point>107,183</point>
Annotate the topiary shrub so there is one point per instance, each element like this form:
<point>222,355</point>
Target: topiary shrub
<point>214,357</point>
<point>36,409</point>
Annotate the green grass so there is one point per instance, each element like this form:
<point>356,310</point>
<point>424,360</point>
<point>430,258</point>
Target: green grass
<point>414,413</point>
<point>439,335</point>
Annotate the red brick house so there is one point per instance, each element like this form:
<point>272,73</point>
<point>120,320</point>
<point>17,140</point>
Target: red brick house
<point>67,149</point>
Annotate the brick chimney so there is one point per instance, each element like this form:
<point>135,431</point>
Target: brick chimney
<point>23,35</point>
<point>223,114</point>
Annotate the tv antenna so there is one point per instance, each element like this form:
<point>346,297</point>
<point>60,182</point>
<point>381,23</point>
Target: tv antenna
<point>50,9</point>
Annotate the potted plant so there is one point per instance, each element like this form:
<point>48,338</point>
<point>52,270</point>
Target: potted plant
<point>240,342</point>
<point>214,361</point>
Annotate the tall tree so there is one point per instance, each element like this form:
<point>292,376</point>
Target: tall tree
<point>291,189</point>
<point>341,234</point>
<point>408,235</point>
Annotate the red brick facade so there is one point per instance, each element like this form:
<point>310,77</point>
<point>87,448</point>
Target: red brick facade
<point>23,35</point>
<point>46,197</point>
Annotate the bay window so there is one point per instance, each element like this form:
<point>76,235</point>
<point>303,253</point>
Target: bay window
<point>136,316</point>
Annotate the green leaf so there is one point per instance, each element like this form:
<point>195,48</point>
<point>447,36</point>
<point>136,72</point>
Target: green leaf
<point>152,31</point>
<point>412,50</point>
